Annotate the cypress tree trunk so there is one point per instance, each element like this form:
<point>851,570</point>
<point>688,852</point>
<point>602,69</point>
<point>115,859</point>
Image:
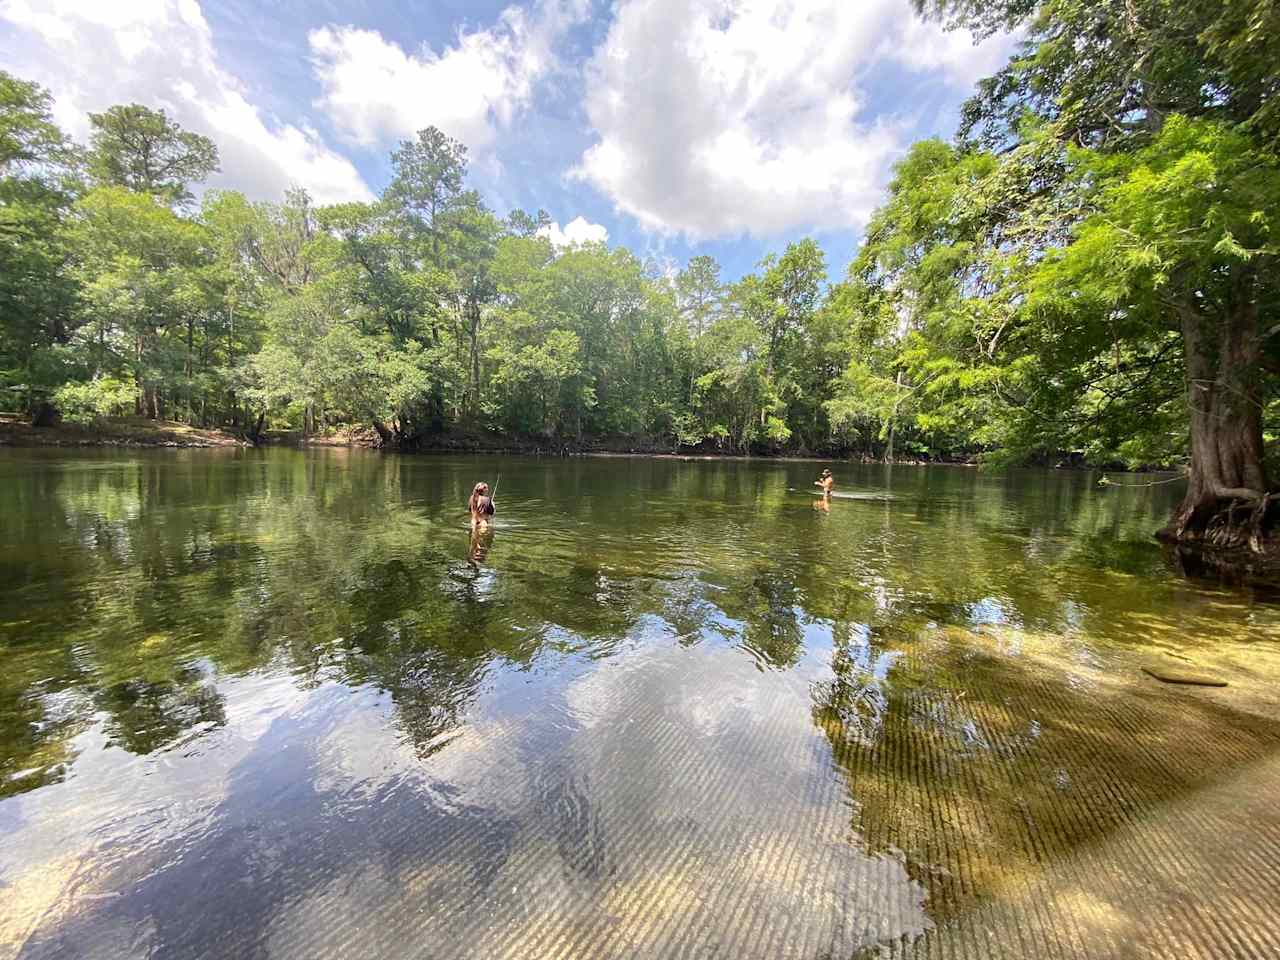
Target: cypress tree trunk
<point>1227,490</point>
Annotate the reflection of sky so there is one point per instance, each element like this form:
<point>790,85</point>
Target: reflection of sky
<point>988,610</point>
<point>661,772</point>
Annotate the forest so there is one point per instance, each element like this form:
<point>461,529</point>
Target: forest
<point>1085,272</point>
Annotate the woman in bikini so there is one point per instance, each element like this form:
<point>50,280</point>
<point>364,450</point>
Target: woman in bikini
<point>480,506</point>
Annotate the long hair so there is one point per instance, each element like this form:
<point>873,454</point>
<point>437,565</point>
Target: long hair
<point>480,504</point>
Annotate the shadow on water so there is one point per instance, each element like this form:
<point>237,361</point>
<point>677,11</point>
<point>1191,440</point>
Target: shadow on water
<point>282,703</point>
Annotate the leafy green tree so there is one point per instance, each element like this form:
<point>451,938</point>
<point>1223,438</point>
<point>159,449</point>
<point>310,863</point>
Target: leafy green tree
<point>428,179</point>
<point>1180,244</point>
<point>781,302</point>
<point>529,382</point>
<point>28,136</point>
<point>141,149</point>
<point>37,295</point>
<point>424,205</point>
<point>1142,133</point>
<point>735,400</point>
<point>520,223</point>
<point>139,269</point>
<point>92,400</point>
<point>869,398</point>
<point>604,298</point>
<point>281,241</point>
<point>936,305</point>
<point>699,294</point>
<point>472,245</point>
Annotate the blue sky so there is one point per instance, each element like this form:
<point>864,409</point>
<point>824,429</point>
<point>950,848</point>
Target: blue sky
<point>675,127</point>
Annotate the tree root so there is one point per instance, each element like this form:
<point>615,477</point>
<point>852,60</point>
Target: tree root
<point>1224,531</point>
<point>1255,523</point>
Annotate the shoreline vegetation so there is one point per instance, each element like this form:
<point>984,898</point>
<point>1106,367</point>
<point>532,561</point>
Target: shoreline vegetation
<point>1089,264</point>
<point>16,431</point>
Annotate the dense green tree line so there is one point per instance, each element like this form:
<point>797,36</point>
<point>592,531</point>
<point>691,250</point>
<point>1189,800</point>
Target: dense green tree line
<point>416,313</point>
<point>1088,268</point>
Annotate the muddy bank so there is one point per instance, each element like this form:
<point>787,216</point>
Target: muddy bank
<point>125,432</point>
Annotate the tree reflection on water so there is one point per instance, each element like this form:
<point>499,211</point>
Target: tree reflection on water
<point>962,653</point>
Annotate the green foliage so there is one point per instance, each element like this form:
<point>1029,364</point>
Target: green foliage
<point>37,297</point>
<point>92,400</point>
<point>141,149</point>
<point>28,136</point>
<point>1098,279</point>
<point>1100,237</point>
<point>409,313</point>
<point>527,382</point>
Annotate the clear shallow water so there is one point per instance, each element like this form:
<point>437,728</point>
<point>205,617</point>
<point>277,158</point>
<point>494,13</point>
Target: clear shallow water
<point>281,704</point>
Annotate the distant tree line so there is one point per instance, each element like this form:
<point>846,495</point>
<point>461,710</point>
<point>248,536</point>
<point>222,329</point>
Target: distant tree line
<point>1088,269</point>
<point>417,313</point>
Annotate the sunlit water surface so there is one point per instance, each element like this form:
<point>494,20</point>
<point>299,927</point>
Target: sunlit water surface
<point>283,704</point>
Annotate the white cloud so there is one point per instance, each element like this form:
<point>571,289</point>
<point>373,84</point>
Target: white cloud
<point>374,91</point>
<point>924,46</point>
<point>92,54</point>
<point>577,231</point>
<point>723,117</point>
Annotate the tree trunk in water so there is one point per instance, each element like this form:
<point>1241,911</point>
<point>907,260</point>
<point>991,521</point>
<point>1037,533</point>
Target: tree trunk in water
<point>256,433</point>
<point>385,436</point>
<point>1226,500</point>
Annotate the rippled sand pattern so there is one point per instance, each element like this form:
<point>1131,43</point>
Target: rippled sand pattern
<point>759,734</point>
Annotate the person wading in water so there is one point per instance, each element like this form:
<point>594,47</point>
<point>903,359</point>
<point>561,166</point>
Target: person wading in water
<point>480,506</point>
<point>826,482</point>
<point>478,547</point>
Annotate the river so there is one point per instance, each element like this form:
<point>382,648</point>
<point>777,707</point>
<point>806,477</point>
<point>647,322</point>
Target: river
<point>282,703</point>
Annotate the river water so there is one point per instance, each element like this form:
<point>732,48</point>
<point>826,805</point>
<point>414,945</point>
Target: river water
<point>283,704</point>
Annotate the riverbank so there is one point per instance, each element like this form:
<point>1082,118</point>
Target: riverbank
<point>457,441</point>
<point>16,431</point>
